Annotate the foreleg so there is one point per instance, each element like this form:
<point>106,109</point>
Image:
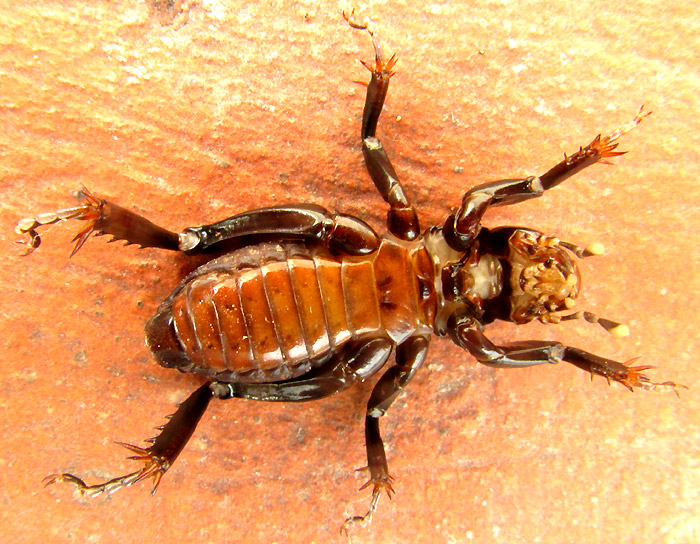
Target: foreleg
<point>468,335</point>
<point>462,228</point>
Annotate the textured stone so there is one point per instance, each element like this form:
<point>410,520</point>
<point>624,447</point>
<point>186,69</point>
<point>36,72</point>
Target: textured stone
<point>245,104</point>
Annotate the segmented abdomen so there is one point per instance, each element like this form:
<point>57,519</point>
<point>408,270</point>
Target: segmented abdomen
<point>272,312</point>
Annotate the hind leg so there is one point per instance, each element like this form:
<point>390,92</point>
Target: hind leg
<point>353,366</point>
<point>339,232</point>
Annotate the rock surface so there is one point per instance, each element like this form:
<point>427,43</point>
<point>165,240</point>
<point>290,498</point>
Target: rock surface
<point>188,116</point>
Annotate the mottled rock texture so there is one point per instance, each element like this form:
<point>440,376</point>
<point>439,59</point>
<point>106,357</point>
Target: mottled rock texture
<point>190,117</point>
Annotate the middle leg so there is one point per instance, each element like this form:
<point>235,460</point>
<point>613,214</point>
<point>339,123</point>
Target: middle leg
<point>402,217</point>
<point>409,357</point>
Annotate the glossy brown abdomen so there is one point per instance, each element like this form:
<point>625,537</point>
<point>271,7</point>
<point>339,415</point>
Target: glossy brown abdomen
<point>271,312</point>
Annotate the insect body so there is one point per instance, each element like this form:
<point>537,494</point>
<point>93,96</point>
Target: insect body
<point>274,312</point>
<point>303,303</point>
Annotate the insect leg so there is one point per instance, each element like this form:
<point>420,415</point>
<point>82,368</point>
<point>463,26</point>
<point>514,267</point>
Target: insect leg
<point>462,227</point>
<point>340,232</point>
<point>102,217</point>
<point>402,218</point>
<point>158,457</point>
<point>469,336</point>
<point>409,357</point>
<point>353,366</point>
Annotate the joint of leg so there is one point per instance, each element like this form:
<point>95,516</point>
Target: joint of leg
<point>536,185</point>
<point>352,236</point>
<point>556,353</point>
<point>376,412</point>
<point>188,240</point>
<point>372,143</point>
<point>221,390</point>
<point>403,222</point>
<point>455,239</point>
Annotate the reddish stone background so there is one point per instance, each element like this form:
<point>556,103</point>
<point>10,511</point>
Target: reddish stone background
<point>251,104</point>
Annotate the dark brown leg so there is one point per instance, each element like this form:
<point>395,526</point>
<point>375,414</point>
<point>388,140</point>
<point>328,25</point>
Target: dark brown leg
<point>402,219</point>
<point>310,222</point>
<point>409,357</point>
<point>102,217</point>
<point>354,366</point>
<point>468,335</point>
<point>160,456</point>
<point>462,228</point>
<point>339,232</point>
